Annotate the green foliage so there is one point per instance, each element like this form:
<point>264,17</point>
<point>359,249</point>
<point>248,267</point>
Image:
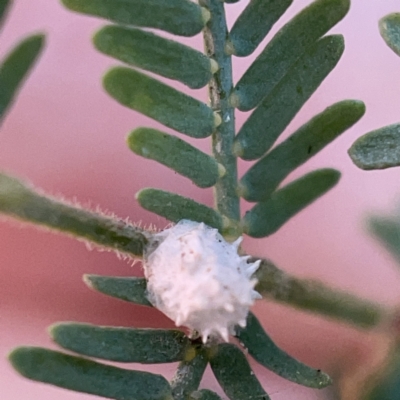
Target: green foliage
<point>188,375</point>
<point>261,347</point>
<point>313,296</point>
<point>287,46</point>
<point>200,168</point>
<point>254,24</point>
<point>15,68</point>
<point>128,289</point>
<point>234,374</point>
<point>155,54</point>
<point>175,208</point>
<point>387,231</point>
<point>146,346</point>
<point>20,201</point>
<point>276,111</point>
<point>390,31</point>
<point>180,17</point>
<point>387,382</point>
<point>204,394</point>
<point>268,216</point>
<point>277,85</point>
<point>160,102</point>
<point>4,4</point>
<point>265,176</point>
<point>380,148</point>
<point>87,376</point>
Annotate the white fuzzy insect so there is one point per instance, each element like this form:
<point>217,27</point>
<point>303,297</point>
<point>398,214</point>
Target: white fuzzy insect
<point>199,280</point>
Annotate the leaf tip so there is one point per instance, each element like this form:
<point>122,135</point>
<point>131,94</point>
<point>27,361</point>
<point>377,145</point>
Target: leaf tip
<point>234,100</point>
<point>221,171</point>
<point>214,67</point>
<point>205,15</point>
<point>238,149</point>
<point>217,119</point>
<point>229,48</point>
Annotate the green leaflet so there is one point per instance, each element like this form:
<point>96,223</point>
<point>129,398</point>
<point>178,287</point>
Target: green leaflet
<point>128,289</point>
<point>313,296</point>
<point>175,208</point>
<point>204,394</point>
<point>285,48</point>
<point>378,149</point>
<point>146,346</point>
<point>188,376</point>
<point>16,66</point>
<point>156,54</point>
<point>87,376</point>
<point>390,31</point>
<point>254,24</point>
<point>265,176</point>
<point>4,4</point>
<point>276,111</point>
<point>176,154</point>
<point>180,17</point>
<point>20,201</point>
<point>267,217</point>
<point>387,231</point>
<point>160,102</point>
<point>234,374</point>
<point>261,347</point>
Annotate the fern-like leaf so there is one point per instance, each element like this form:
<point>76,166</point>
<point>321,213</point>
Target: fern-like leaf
<point>86,376</point>
<point>261,347</point>
<point>180,17</point>
<point>145,346</point>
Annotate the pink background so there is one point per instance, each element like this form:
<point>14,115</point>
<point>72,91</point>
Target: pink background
<point>68,137</point>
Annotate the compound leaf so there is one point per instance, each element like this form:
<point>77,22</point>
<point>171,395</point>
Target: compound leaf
<point>188,375</point>
<point>153,53</point>
<point>147,346</point>
<point>20,201</point>
<point>175,207</point>
<point>261,347</point>
<point>267,217</point>
<point>285,48</point>
<point>265,176</point>
<point>16,67</point>
<point>234,374</point>
<point>276,111</point>
<point>176,154</point>
<point>129,289</point>
<point>87,376</point>
<point>160,102</point>
<point>378,149</point>
<point>180,17</point>
<point>390,31</point>
<point>254,24</point>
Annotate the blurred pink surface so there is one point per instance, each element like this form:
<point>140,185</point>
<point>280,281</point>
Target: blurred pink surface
<point>68,137</point>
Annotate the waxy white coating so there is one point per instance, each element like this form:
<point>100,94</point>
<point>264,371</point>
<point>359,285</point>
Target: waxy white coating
<point>199,280</point>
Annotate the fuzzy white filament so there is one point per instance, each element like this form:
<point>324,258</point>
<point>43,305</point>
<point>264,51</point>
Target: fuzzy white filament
<point>198,279</point>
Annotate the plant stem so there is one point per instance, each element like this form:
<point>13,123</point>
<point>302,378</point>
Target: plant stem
<point>20,201</point>
<point>309,295</point>
<point>220,87</point>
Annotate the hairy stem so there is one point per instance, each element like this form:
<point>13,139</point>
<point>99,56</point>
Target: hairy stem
<point>316,297</point>
<point>220,87</point>
<point>20,201</point>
